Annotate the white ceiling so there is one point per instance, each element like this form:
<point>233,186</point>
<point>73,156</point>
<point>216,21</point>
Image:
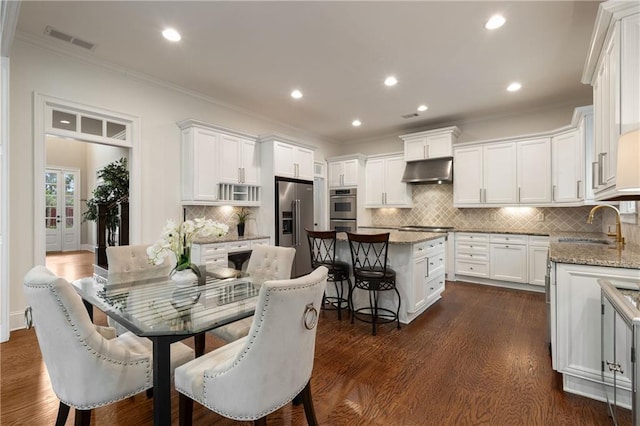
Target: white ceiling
<point>253,54</point>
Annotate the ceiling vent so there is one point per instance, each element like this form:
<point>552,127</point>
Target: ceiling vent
<point>412,115</point>
<point>69,38</point>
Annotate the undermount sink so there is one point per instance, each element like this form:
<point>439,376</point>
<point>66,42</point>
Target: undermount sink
<point>577,240</point>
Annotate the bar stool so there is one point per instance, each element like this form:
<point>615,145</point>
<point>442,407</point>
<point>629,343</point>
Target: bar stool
<point>322,245</point>
<point>370,272</point>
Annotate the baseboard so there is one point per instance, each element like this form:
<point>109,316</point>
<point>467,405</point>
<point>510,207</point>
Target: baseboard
<point>88,247</point>
<point>16,321</point>
<point>503,284</point>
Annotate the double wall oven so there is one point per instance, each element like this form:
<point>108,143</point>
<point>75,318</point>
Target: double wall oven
<point>343,210</point>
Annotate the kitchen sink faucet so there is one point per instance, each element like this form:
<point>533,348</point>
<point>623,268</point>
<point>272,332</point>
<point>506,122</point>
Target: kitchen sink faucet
<point>618,233</point>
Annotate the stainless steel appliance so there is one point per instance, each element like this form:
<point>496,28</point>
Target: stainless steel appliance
<point>426,228</point>
<point>547,299</point>
<point>343,210</point>
<point>294,214</point>
<point>435,170</point>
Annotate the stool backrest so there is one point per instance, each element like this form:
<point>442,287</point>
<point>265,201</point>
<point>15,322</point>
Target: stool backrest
<point>369,251</point>
<point>322,247</point>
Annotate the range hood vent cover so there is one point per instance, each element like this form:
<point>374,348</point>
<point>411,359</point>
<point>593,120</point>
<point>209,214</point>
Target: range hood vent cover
<point>434,171</point>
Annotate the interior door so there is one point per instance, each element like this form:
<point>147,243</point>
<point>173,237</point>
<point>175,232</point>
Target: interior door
<point>62,213</point>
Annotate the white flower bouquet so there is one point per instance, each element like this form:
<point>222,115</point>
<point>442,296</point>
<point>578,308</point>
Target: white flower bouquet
<point>177,239</point>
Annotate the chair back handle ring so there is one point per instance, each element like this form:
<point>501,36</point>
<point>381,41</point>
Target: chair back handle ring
<point>310,317</point>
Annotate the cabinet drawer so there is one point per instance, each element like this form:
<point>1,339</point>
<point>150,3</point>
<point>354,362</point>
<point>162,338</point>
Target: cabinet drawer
<point>435,285</point>
<point>471,247</point>
<point>471,255</point>
<point>476,238</point>
<point>428,248</point>
<point>435,265</point>
<point>539,241</point>
<point>238,246</point>
<point>219,259</point>
<point>471,268</point>
<point>259,242</point>
<point>508,239</point>
<point>213,249</point>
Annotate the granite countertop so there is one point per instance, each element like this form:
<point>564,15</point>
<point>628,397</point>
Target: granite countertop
<point>397,237</point>
<point>588,248</point>
<point>228,239</point>
<point>503,231</point>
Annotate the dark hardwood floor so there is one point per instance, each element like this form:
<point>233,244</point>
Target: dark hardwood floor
<point>478,356</point>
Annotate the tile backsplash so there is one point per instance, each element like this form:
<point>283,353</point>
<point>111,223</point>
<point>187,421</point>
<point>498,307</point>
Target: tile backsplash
<point>433,205</point>
<point>224,214</point>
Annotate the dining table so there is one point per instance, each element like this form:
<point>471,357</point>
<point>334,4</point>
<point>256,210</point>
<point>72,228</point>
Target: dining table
<point>166,311</point>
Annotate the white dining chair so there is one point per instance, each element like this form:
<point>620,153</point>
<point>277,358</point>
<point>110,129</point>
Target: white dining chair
<point>88,366</point>
<point>266,263</point>
<point>257,374</point>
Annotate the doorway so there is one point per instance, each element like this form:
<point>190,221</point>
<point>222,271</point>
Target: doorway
<point>62,206</point>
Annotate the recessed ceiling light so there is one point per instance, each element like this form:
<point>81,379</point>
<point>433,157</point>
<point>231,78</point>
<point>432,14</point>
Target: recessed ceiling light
<point>390,81</point>
<point>356,123</point>
<point>171,34</point>
<point>296,94</point>
<point>65,122</point>
<point>496,21</point>
<point>422,108</point>
<point>514,87</point>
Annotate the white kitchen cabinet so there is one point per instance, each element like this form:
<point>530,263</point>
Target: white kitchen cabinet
<point>384,186</point>
<point>239,160</point>
<point>612,68</point>
<point>467,185</point>
<point>538,253</point>
<point>292,161</point>
<point>472,254</point>
<point>534,171</point>
<point>508,258</point>
<point>576,317</point>
<point>567,153</point>
<point>199,181</point>
<point>499,173</point>
<point>343,173</point>
<point>430,144</point>
<point>428,273</point>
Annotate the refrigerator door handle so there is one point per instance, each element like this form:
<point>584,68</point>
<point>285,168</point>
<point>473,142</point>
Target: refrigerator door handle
<point>297,222</point>
<point>294,227</point>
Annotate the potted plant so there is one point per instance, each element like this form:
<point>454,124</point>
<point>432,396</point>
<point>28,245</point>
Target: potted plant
<point>112,189</point>
<point>243,215</point>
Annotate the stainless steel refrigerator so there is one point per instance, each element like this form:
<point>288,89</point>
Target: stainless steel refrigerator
<point>294,214</point>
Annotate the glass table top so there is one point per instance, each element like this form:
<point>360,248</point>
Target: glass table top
<point>161,306</point>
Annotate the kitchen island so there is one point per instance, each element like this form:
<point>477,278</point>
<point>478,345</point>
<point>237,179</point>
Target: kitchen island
<point>419,261</point>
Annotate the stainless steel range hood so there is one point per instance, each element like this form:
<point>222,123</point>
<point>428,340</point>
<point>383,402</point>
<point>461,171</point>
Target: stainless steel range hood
<point>435,170</point>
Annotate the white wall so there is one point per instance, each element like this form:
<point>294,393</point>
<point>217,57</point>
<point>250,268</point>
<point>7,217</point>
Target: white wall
<point>35,69</point>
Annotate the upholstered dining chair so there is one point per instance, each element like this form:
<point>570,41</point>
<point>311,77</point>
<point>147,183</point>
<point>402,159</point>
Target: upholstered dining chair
<point>266,263</point>
<point>257,374</point>
<point>88,366</point>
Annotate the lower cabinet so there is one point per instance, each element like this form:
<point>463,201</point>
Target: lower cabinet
<point>216,254</point>
<point>508,257</point>
<point>428,272</point>
<point>576,325</point>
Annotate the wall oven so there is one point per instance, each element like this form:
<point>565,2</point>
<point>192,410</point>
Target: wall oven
<point>343,210</point>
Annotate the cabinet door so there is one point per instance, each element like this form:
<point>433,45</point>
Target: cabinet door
<point>499,174</point>
<point>467,184</point>
<point>336,170</point>
<point>283,159</point>
<point>250,162</point>
<point>567,155</point>
<point>350,173</point>
<point>534,171</point>
<point>199,151</point>
<point>419,291</point>
<point>537,264</point>
<point>439,146</point>
<point>508,262</point>
<point>415,149</point>
<point>629,72</point>
<point>229,159</point>
<point>304,163</point>
<point>374,185</point>
<point>397,193</point>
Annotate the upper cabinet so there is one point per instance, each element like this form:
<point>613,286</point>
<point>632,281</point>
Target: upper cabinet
<point>612,68</point>
<point>218,166</point>
<point>430,144</point>
<point>503,173</point>
<point>383,181</point>
<point>345,171</point>
<point>292,161</point>
<point>239,161</point>
<point>568,166</point>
